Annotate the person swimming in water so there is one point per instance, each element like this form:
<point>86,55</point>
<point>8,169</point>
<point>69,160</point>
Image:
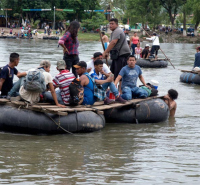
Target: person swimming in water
<point>169,100</point>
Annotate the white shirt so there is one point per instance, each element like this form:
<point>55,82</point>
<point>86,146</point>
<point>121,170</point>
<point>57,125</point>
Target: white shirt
<point>155,40</point>
<point>34,97</point>
<point>91,65</point>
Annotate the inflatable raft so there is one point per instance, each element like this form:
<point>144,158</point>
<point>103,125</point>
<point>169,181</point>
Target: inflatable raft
<point>190,77</point>
<point>149,111</point>
<point>51,38</point>
<point>8,37</point>
<point>22,120</point>
<point>148,63</point>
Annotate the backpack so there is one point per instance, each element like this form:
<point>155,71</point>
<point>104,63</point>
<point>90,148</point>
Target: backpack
<point>76,92</point>
<point>152,91</point>
<point>35,81</point>
<point>99,93</point>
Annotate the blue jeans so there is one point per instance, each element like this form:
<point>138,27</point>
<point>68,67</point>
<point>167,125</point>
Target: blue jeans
<point>133,48</point>
<point>48,97</point>
<point>15,89</point>
<point>112,88</point>
<point>136,92</point>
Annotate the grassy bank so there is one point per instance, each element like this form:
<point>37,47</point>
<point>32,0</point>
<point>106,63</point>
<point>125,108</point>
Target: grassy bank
<point>88,36</point>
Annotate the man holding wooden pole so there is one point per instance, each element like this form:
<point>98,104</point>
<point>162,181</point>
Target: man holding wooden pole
<point>118,48</point>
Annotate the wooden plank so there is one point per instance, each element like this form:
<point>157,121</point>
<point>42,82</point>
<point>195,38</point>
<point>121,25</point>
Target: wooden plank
<point>3,100</point>
<point>18,103</point>
<point>98,103</point>
<point>188,71</point>
<point>49,111</point>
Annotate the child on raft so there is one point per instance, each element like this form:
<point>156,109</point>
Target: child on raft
<point>169,100</point>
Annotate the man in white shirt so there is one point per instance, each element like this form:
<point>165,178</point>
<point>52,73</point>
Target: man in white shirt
<point>156,44</point>
<point>90,65</point>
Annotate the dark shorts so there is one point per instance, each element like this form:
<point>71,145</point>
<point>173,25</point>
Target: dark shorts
<point>118,64</point>
<point>155,49</point>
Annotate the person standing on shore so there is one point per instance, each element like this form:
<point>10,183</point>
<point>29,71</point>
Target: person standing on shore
<point>197,58</point>
<point>70,45</point>
<point>134,40</point>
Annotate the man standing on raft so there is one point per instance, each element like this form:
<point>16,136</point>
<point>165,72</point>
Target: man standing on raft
<point>197,58</point>
<point>118,48</point>
<point>155,46</point>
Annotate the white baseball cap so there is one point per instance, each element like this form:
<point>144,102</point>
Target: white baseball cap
<point>147,45</point>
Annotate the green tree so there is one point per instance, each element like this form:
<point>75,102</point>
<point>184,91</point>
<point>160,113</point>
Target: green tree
<point>172,7</point>
<point>94,22</point>
<point>195,4</point>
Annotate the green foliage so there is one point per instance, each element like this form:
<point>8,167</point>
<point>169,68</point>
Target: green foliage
<point>94,22</point>
<point>34,24</point>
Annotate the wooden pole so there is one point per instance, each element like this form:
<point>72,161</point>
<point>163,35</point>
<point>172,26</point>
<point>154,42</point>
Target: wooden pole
<point>103,46</point>
<point>160,49</point>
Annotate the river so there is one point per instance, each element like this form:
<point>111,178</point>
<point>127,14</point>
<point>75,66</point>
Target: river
<point>140,154</point>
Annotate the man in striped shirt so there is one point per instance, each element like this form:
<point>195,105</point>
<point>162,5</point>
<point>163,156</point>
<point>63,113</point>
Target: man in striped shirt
<point>61,80</point>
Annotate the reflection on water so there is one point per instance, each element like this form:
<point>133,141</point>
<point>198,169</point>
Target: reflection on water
<point>164,153</point>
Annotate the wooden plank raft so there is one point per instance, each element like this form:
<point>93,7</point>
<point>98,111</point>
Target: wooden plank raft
<point>98,107</point>
<point>189,71</point>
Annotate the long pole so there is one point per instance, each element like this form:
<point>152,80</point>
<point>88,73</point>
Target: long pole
<point>6,19</point>
<point>54,19</point>
<point>103,45</point>
<point>160,49</point>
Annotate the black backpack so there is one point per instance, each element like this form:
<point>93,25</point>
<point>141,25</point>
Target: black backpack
<point>76,92</point>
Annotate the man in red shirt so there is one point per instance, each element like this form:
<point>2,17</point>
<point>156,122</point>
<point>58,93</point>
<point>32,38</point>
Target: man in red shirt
<point>61,80</point>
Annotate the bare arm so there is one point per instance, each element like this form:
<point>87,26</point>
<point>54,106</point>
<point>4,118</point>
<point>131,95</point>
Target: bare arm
<point>65,50</point>
<point>19,75</point>
<point>53,93</point>
<point>2,80</point>
<point>109,79</point>
<point>119,77</point>
<point>142,80</point>
<point>84,80</point>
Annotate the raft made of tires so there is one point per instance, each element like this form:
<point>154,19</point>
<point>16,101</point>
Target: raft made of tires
<point>150,111</point>
<point>17,120</point>
<point>147,63</point>
<point>2,37</point>
<point>8,37</point>
<point>51,38</point>
<point>190,77</point>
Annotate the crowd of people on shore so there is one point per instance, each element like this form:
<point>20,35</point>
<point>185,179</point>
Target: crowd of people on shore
<point>88,82</point>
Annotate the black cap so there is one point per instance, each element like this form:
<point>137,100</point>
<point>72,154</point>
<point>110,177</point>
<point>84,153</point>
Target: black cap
<point>154,34</point>
<point>97,54</point>
<point>81,64</point>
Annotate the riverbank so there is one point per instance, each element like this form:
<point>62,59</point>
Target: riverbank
<point>170,38</point>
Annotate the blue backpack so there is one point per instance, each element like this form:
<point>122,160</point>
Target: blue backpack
<point>35,81</point>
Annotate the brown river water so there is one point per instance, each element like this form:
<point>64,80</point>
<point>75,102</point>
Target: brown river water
<point>140,154</point>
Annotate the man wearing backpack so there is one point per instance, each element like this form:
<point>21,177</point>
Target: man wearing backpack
<point>86,82</point>
<point>61,80</point>
<point>7,74</point>
<point>35,82</point>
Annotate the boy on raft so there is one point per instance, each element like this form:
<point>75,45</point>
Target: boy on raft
<point>169,100</point>
<point>7,73</point>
